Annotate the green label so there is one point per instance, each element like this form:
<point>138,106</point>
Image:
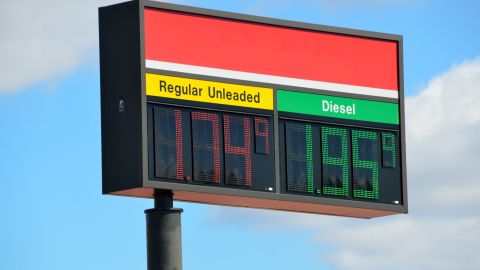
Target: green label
<point>337,107</point>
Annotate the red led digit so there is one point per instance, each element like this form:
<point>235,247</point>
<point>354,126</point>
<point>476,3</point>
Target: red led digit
<point>204,149</point>
<point>179,143</point>
<point>262,144</point>
<point>168,143</point>
<point>239,147</point>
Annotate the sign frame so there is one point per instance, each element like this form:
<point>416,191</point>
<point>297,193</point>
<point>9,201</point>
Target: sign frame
<point>124,117</point>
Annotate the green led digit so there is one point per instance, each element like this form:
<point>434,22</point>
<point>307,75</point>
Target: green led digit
<point>335,161</point>
<point>299,157</point>
<point>389,150</point>
<point>308,137</point>
<point>365,164</point>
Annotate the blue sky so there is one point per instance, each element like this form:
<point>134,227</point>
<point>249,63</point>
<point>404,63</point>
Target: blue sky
<point>52,213</point>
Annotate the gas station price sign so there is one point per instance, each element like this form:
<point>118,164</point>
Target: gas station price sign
<point>238,110</point>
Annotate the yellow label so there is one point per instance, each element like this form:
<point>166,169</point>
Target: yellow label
<point>208,91</point>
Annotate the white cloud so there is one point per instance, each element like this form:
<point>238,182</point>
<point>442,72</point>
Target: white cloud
<point>442,229</point>
<point>405,243</point>
<point>443,123</point>
<point>44,39</point>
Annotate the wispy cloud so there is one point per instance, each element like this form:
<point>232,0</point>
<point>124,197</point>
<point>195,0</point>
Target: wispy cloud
<point>327,6</point>
<point>443,125</point>
<point>443,153</point>
<point>44,39</point>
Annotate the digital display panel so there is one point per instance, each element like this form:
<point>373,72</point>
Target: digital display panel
<point>234,150</point>
<point>324,160</point>
<point>218,148</point>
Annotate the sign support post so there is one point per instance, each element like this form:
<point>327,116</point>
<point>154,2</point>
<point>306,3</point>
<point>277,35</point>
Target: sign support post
<point>164,234</point>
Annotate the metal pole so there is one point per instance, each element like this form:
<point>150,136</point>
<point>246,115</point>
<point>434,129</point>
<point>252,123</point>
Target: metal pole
<point>164,235</point>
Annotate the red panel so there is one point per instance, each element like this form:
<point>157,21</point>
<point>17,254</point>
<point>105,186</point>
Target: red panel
<point>258,48</point>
